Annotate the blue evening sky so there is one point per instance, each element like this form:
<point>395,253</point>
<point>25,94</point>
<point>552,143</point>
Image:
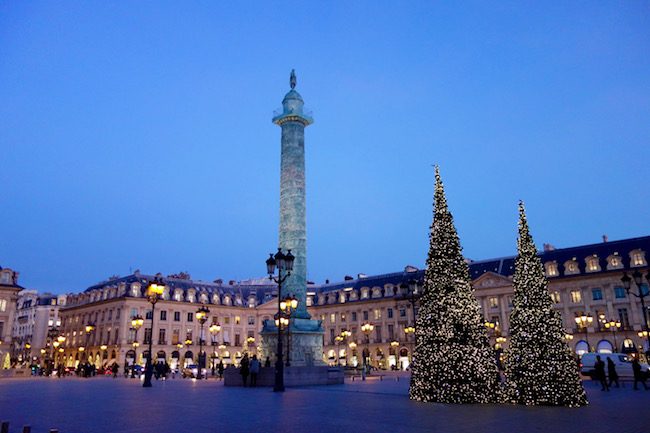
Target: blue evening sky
<point>139,135</point>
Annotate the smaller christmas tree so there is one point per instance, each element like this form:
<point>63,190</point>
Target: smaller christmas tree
<point>540,368</point>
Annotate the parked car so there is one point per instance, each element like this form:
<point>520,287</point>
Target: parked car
<point>191,370</point>
<point>622,361</point>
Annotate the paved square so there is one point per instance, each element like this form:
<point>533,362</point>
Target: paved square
<point>102,404</point>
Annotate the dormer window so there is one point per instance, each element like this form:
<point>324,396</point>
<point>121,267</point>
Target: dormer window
<point>592,263</point>
<point>135,290</point>
<point>614,262</point>
<point>571,267</point>
<point>551,269</point>
<point>637,258</point>
<point>364,293</point>
<point>178,295</point>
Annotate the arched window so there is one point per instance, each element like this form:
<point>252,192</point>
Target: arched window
<point>604,346</point>
<point>571,267</point>
<point>592,263</point>
<point>551,269</point>
<point>582,347</point>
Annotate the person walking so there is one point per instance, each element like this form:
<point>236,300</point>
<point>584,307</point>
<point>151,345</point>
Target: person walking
<point>220,369</point>
<point>599,374</point>
<point>244,369</point>
<point>639,375</point>
<point>611,372</point>
<point>267,363</point>
<point>255,370</point>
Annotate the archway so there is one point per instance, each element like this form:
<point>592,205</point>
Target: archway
<point>628,346</point>
<point>161,356</point>
<point>175,357</point>
<point>130,357</point>
<point>604,346</point>
<point>189,358</point>
<point>404,361</point>
<point>582,347</point>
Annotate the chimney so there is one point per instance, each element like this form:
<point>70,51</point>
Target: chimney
<point>327,281</point>
<point>605,238</point>
<point>347,278</point>
<point>548,247</point>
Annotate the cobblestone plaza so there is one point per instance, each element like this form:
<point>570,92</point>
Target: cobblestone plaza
<point>75,405</point>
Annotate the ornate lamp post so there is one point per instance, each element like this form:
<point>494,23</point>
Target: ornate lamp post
<point>52,335</point>
<point>284,264</point>
<point>202,316</point>
<point>288,306</point>
<point>90,328</point>
<point>366,328</point>
<point>613,325</point>
<point>154,292</point>
<point>136,323</point>
<point>641,294</point>
<point>583,320</point>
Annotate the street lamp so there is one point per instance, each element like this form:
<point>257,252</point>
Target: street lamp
<point>613,325</point>
<point>366,328</point>
<point>288,305</point>
<point>202,316</point>
<point>583,320</point>
<point>284,264</point>
<point>214,329</point>
<point>641,294</point>
<point>136,323</point>
<point>154,292</point>
<point>90,328</point>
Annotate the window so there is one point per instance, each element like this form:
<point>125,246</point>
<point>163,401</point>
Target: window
<point>619,292</point>
<point>624,318</point>
<point>176,336</point>
<point>365,315</point>
<point>378,334</point>
<point>177,316</point>
<point>117,313</point>
<point>110,314</point>
<point>161,336</point>
<point>596,294</point>
<point>237,338</point>
<point>354,316</point>
<point>494,302</point>
<point>149,315</point>
<point>391,332</point>
<point>571,267</point>
<point>555,296</point>
<point>134,312</point>
<point>190,317</point>
<point>342,317</point>
<point>377,314</point>
<point>592,264</point>
<point>551,269</point>
<point>188,335</point>
<point>237,320</point>
<point>576,296</point>
<point>614,262</point>
<point>226,320</point>
<point>178,296</point>
<point>389,313</point>
<point>333,318</point>
<point>644,290</point>
<point>163,315</point>
<point>332,336</point>
<point>147,335</point>
<point>402,312</point>
<point>251,320</point>
<point>637,257</point>
<point>3,305</point>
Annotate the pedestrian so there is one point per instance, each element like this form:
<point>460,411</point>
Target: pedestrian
<point>611,372</point>
<point>267,363</point>
<point>244,369</point>
<point>599,374</point>
<point>220,369</point>
<point>639,375</point>
<point>255,370</point>
<point>115,368</point>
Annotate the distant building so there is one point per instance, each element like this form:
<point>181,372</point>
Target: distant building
<point>35,315</point>
<point>582,280</point>
<point>9,289</point>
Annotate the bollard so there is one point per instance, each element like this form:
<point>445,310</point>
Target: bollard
<point>27,429</point>
<point>4,428</point>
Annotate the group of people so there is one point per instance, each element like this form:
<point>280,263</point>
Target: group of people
<point>602,376</point>
<point>251,367</point>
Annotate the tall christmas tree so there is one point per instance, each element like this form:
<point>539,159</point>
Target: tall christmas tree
<point>453,361</point>
<point>540,368</point>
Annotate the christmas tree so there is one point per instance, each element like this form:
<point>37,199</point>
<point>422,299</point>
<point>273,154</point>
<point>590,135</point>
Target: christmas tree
<point>540,368</point>
<point>453,361</point>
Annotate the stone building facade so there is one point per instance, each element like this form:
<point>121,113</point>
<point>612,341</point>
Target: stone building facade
<point>584,280</point>
<point>9,289</point>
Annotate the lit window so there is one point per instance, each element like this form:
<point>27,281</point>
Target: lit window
<point>555,296</point>
<point>551,269</point>
<point>494,302</point>
<point>377,313</point>
<point>237,320</point>
<point>571,267</point>
<point>251,320</point>
<point>614,262</point>
<point>333,318</point>
<point>576,296</point>
<point>638,258</point>
<point>592,264</point>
